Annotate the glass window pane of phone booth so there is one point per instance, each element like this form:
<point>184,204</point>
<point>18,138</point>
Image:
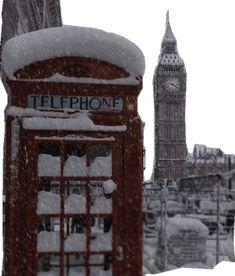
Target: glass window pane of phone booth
<point>101,203</point>
<point>74,265</point>
<point>48,197</point>
<point>48,265</point>
<point>48,236</point>
<point>75,160</point>
<point>75,234</point>
<point>100,265</point>
<point>49,159</point>
<point>101,160</point>
<point>75,197</point>
<point>101,234</point>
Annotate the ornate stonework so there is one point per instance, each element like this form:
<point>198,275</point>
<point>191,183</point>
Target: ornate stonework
<point>169,101</point>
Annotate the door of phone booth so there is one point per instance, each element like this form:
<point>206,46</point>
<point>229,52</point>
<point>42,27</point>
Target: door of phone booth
<point>78,187</point>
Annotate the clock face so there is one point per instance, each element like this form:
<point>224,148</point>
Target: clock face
<point>172,84</point>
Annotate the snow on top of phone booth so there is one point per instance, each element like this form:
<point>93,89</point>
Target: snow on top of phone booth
<point>70,41</point>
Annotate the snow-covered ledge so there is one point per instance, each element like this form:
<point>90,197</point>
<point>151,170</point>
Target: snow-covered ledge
<point>36,119</point>
<point>131,80</point>
<point>70,41</point>
<point>83,122</point>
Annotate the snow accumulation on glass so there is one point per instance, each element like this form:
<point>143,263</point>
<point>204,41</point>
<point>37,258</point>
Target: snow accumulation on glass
<point>49,202</point>
<point>48,241</point>
<point>49,165</point>
<point>75,204</point>
<point>75,242</point>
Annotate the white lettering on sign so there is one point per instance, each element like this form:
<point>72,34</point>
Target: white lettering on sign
<point>106,104</point>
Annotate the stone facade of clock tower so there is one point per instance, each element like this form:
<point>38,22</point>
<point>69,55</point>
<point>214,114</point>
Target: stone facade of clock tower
<point>169,102</point>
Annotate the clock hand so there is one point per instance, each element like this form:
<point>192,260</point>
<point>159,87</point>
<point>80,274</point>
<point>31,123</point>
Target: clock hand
<point>177,86</point>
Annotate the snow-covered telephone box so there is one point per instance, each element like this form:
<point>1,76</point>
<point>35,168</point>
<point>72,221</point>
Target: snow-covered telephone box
<point>73,154</point>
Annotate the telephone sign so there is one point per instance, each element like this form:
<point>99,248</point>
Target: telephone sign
<point>89,103</point>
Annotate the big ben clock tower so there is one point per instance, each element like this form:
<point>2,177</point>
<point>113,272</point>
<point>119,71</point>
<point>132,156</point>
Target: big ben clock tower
<point>169,102</point>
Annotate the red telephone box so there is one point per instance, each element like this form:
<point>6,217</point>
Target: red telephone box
<point>73,154</point>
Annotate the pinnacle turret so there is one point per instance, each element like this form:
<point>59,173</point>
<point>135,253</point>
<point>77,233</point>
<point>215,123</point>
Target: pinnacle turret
<point>169,54</point>
<point>169,36</point>
<point>169,43</point>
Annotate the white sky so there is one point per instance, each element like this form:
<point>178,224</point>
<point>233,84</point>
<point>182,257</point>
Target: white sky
<point>205,33</point>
